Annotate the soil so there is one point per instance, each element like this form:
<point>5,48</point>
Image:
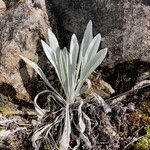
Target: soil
<point>127,127</point>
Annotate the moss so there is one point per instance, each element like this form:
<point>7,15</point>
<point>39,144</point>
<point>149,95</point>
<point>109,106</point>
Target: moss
<point>5,112</point>
<point>1,128</point>
<point>130,65</point>
<point>121,134</point>
<point>144,142</point>
<point>145,107</point>
<point>46,147</point>
<point>10,98</point>
<point>38,84</point>
<point>141,116</point>
<point>12,142</point>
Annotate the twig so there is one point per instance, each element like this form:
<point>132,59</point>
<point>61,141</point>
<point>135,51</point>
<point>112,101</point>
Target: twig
<point>114,100</point>
<point>118,99</point>
<point>141,84</point>
<point>28,113</point>
<point>134,140</point>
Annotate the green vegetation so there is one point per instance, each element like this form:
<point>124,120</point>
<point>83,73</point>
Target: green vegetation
<point>140,118</point>
<point>5,112</point>
<point>144,142</point>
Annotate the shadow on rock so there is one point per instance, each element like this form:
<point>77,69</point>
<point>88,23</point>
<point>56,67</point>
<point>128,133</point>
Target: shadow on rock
<point>7,90</point>
<point>125,75</point>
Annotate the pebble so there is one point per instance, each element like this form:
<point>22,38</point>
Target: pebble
<point>2,6</point>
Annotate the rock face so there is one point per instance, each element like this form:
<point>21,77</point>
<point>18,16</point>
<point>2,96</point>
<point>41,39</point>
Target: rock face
<point>21,27</point>
<point>124,25</point>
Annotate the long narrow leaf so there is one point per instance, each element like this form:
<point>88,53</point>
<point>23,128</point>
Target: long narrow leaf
<point>94,63</point>
<point>87,38</point>
<point>50,54</point>
<point>63,67</point>
<point>81,122</point>
<point>40,112</point>
<point>90,67</point>
<point>82,126</point>
<point>52,40</point>
<point>74,49</point>
<point>65,140</point>
<point>92,49</point>
<point>37,135</point>
<point>86,140</point>
<point>39,71</point>
<point>63,73</point>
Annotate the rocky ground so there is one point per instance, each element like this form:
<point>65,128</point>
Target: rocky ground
<point>126,127</point>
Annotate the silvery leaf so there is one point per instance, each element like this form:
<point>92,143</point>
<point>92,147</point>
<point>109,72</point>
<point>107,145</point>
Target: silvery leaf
<point>81,122</point>
<point>65,140</point>
<point>53,40</point>
<point>92,49</point>
<point>39,71</point>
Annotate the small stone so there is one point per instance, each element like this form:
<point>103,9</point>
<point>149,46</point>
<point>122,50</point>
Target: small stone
<point>2,6</point>
<point>37,4</point>
<point>131,107</point>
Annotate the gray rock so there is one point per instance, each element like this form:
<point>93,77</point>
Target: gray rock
<point>124,25</point>
<point>21,27</point>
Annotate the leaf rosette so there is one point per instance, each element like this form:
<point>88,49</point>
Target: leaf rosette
<point>73,69</point>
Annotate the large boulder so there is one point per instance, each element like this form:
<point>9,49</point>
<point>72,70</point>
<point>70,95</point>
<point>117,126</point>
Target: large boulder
<point>124,25</point>
<point>21,26</point>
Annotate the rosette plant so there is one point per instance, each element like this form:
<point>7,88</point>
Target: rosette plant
<point>73,69</point>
